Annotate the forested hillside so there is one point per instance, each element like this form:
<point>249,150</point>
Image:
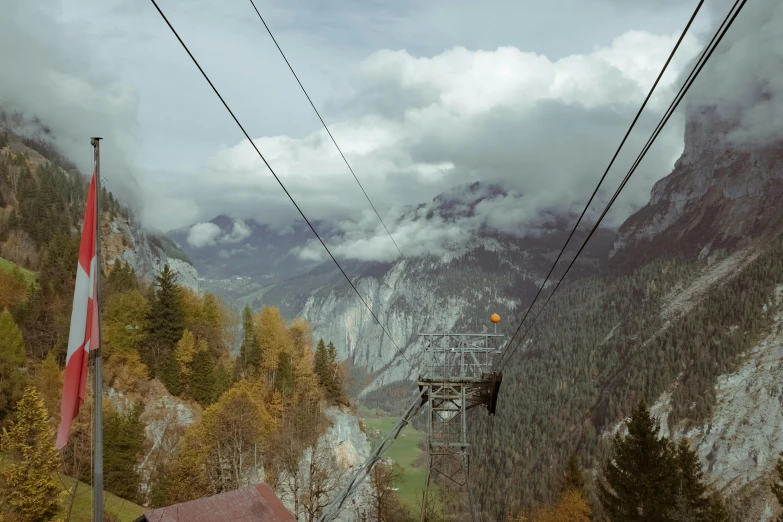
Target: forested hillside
<point>602,345</point>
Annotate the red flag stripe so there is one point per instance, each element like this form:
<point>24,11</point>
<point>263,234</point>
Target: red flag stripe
<point>84,334</point>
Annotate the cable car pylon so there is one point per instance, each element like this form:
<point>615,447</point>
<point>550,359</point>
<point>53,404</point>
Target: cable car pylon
<point>456,377</point>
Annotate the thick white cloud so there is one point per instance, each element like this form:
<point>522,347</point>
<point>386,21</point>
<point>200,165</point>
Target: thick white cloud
<point>543,129</point>
<point>413,122</point>
<point>203,234</point>
<point>209,234</point>
<point>239,232</point>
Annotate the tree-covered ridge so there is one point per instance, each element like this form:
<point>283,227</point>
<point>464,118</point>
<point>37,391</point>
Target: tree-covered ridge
<point>39,198</point>
<point>165,331</point>
<point>600,346</point>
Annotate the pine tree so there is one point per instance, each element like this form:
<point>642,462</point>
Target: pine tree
<point>202,379</point>
<point>31,461</point>
<point>166,319</point>
<point>170,374</point>
<point>694,499</point>
<point>12,363</point>
<point>574,478</point>
<point>284,377</point>
<point>250,351</point>
<point>640,482</point>
<point>334,385</point>
<point>777,486</point>
<point>321,363</point>
<point>123,443</point>
<point>122,278</point>
<point>690,486</point>
<point>222,382</point>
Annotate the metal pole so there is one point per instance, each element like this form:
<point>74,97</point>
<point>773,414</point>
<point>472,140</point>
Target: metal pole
<point>97,483</point>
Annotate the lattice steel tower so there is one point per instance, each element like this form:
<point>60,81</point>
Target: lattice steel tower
<point>457,376</point>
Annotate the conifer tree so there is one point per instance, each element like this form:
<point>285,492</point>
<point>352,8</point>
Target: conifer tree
<point>166,319</point>
<point>222,382</point>
<point>272,335</point>
<point>690,486</point>
<point>121,278</point>
<point>321,364</point>
<point>123,443</point>
<point>202,379</point>
<point>31,461</point>
<point>170,374</point>
<point>12,363</point>
<point>574,478</point>
<point>284,377</point>
<point>334,385</point>
<point>250,351</point>
<point>777,486</point>
<point>695,500</point>
<point>640,481</point>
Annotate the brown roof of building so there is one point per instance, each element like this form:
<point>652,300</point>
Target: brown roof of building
<point>256,503</point>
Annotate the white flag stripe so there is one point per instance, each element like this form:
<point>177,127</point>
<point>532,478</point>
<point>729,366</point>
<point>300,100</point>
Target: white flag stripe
<point>81,296</point>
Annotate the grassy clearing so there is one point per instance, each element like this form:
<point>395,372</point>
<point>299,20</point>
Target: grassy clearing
<point>404,452</point>
<point>7,266</point>
<point>82,508</point>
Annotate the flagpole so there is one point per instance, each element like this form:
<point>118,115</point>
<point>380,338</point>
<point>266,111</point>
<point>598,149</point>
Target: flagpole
<point>97,480</point>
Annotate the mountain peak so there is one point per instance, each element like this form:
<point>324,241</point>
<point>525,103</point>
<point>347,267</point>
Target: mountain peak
<point>223,221</point>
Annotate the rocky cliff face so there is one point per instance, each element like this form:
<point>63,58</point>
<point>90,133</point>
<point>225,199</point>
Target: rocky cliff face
<point>166,418</point>
<point>417,295</point>
<point>349,447</point>
<point>455,290</point>
<point>740,443</point>
<point>720,195</point>
<point>125,240</point>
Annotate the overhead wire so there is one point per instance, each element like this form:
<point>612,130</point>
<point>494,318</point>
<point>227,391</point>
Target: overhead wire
<point>301,213</point>
<point>606,172</point>
<point>705,56</point>
<point>268,30</point>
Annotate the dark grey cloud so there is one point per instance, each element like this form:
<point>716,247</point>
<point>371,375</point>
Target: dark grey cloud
<point>421,95</point>
<point>47,76</point>
<point>542,129</point>
<point>743,80</point>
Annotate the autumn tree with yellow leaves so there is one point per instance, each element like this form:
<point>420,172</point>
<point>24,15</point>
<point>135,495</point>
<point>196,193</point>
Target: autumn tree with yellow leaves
<point>272,335</point>
<point>222,451</point>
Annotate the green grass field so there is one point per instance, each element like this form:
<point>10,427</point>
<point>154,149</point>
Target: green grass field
<point>404,452</point>
<point>82,508</point>
<point>8,266</point>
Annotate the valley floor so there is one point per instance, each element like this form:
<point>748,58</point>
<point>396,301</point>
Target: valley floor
<point>406,452</point>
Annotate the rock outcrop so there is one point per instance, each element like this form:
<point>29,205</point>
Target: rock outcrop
<point>742,440</point>
<point>166,418</point>
<point>124,239</point>
<point>720,195</point>
<point>349,447</point>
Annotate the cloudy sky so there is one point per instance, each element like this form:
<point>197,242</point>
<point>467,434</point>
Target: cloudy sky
<point>421,95</point>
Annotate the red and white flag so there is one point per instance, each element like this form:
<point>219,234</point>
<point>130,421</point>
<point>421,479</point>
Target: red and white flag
<point>84,335</point>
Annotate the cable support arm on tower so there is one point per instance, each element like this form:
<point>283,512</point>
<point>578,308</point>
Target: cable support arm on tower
<point>339,502</point>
